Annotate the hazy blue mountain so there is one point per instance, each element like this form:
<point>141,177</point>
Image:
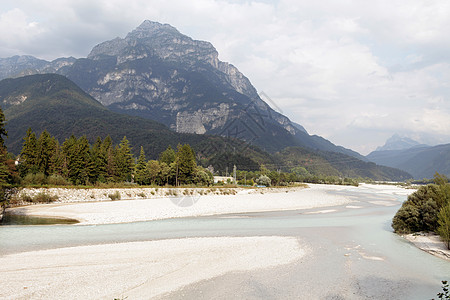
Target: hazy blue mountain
<point>397,142</point>
<point>157,73</point>
<point>420,162</point>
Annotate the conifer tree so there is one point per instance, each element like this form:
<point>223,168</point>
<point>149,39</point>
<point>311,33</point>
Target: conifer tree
<point>28,155</point>
<point>123,161</point>
<point>108,151</point>
<point>168,156</point>
<point>79,164</point>
<point>185,163</point>
<point>46,146</point>
<point>58,162</point>
<point>99,160</point>
<point>140,167</point>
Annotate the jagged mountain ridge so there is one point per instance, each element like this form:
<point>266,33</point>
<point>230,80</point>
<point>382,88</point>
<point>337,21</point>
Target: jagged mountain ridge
<point>158,73</point>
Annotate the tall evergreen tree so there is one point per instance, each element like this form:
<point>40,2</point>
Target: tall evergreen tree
<point>167,156</point>
<point>58,162</point>
<point>185,163</point>
<point>79,164</point>
<point>99,160</point>
<point>123,161</point>
<point>46,147</point>
<point>29,154</point>
<point>140,168</point>
<point>108,151</point>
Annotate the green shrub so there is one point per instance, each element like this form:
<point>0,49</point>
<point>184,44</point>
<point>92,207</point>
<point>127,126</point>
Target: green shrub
<point>264,180</point>
<point>115,196</point>
<point>28,179</point>
<point>444,225</point>
<point>25,198</point>
<point>43,197</point>
<point>57,180</point>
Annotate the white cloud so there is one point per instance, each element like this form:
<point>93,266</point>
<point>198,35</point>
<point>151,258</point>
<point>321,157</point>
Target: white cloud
<point>352,71</point>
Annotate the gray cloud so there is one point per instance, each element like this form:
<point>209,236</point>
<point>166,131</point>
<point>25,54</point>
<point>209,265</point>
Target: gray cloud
<point>355,73</point>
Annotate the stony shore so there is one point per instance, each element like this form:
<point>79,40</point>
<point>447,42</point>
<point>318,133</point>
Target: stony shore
<point>71,195</point>
<point>430,243</point>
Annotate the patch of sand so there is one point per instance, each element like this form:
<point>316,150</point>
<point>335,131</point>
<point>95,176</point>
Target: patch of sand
<point>430,243</point>
<point>137,270</point>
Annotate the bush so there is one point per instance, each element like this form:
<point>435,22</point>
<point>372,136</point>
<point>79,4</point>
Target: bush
<point>419,212</point>
<point>57,180</point>
<point>263,180</point>
<point>444,225</point>
<point>115,196</point>
<point>41,197</point>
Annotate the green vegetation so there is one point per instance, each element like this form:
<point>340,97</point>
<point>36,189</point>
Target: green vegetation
<point>115,196</point>
<point>445,294</point>
<point>41,197</point>
<point>8,173</point>
<point>427,209</point>
<point>44,161</point>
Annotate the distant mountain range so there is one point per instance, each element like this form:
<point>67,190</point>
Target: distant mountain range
<point>397,142</point>
<point>421,161</point>
<point>157,73</point>
<point>54,103</point>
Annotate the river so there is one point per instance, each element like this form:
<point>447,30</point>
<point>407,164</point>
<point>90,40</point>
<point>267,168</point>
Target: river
<point>352,251</point>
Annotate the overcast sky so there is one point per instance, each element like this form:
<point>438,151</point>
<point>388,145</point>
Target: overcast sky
<point>354,72</point>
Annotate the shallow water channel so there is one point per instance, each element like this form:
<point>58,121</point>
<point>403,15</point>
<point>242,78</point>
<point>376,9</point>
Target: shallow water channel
<point>351,251</point>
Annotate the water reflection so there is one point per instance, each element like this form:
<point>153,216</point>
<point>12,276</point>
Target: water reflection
<point>12,219</point>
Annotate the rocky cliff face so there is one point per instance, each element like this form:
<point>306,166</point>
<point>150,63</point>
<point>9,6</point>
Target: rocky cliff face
<point>158,73</point>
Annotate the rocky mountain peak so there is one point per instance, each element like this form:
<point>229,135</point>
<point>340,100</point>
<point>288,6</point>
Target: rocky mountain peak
<point>149,29</point>
<point>397,142</point>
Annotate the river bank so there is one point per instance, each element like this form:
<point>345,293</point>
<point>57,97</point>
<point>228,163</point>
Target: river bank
<point>430,243</point>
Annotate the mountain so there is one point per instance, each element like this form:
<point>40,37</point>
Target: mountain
<point>397,142</point>
<point>420,162</point>
<point>54,103</point>
<point>157,73</point>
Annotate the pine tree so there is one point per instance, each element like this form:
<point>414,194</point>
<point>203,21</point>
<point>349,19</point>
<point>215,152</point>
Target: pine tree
<point>140,167</point>
<point>28,155</point>
<point>99,160</point>
<point>46,147</point>
<point>109,153</point>
<point>185,163</point>
<point>168,156</point>
<point>58,162</point>
<point>123,161</point>
<point>79,164</point>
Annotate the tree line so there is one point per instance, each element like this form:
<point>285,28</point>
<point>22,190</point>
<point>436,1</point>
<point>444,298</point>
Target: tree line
<point>77,162</point>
